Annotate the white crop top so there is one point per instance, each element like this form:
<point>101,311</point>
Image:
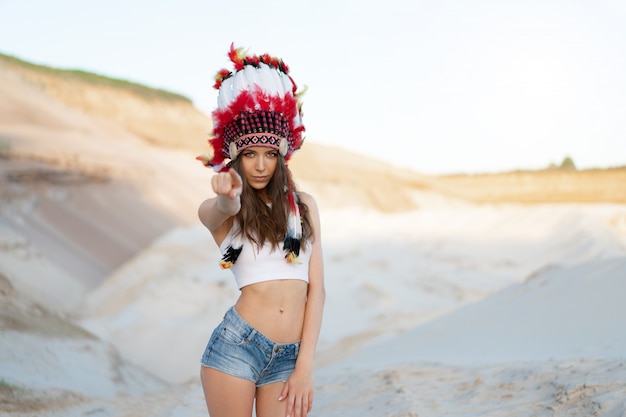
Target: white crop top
<point>253,265</point>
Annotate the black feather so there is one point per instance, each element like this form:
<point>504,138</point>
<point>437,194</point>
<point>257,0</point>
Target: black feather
<point>232,254</point>
<point>291,245</point>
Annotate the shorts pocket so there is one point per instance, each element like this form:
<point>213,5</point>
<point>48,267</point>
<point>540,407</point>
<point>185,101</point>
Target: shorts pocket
<point>231,335</point>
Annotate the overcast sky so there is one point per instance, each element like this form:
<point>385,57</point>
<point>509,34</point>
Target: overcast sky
<point>440,86</point>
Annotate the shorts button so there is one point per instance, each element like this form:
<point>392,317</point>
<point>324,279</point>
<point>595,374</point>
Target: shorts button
<point>276,349</point>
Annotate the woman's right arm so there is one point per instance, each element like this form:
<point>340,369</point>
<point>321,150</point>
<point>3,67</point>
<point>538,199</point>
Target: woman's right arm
<point>214,212</point>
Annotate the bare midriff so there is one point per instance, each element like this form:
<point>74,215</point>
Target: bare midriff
<point>275,308</point>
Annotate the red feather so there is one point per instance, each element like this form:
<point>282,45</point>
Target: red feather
<point>235,57</point>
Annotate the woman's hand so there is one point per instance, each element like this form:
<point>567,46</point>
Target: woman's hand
<point>227,184</point>
<point>228,187</point>
<point>298,392</point>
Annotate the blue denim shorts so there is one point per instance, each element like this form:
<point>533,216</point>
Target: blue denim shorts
<point>238,349</point>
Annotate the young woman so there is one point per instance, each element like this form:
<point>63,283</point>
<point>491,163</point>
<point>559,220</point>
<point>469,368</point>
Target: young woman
<point>269,235</point>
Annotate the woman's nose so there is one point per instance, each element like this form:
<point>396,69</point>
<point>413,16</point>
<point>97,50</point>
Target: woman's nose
<point>260,164</point>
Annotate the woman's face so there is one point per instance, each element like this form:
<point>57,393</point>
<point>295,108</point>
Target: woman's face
<point>259,164</point>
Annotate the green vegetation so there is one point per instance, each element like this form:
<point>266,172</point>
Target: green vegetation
<point>89,77</point>
<point>5,385</point>
<point>568,163</point>
<point>5,146</point>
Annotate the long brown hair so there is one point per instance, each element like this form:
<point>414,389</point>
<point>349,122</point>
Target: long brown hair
<point>259,221</point>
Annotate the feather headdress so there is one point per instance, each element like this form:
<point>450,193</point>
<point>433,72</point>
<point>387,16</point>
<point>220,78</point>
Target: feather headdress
<point>257,105</point>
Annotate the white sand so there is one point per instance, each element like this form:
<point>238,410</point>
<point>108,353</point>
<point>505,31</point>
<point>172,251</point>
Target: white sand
<point>452,309</point>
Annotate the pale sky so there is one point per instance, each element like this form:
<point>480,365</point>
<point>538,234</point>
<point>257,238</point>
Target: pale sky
<point>438,86</point>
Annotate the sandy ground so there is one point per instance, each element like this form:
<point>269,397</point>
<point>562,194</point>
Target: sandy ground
<point>437,305</point>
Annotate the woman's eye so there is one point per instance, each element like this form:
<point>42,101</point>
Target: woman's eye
<point>272,154</point>
<point>248,154</point>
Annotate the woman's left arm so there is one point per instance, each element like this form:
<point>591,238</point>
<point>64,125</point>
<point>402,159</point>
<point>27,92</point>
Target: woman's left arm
<point>299,388</point>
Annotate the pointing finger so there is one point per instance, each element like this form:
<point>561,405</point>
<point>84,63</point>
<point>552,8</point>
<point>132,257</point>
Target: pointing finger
<point>235,178</point>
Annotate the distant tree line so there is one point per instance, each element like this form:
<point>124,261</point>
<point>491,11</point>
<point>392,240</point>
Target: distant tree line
<point>566,165</point>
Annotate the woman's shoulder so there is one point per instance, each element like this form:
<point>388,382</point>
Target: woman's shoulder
<point>307,199</point>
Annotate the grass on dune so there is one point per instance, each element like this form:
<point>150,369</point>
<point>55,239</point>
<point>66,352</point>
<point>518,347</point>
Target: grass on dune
<point>92,78</point>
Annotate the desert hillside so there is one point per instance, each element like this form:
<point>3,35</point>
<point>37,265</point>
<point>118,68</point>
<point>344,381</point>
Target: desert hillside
<point>90,136</point>
<point>159,117</point>
<point>490,301</point>
<point>97,141</point>
<point>169,120</point>
<point>536,187</point>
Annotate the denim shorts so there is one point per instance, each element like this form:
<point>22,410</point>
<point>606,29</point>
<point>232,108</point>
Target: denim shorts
<point>238,349</point>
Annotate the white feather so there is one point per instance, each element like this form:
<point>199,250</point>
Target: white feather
<point>240,84</point>
<point>225,95</point>
<point>252,75</point>
<point>286,82</point>
<point>266,79</point>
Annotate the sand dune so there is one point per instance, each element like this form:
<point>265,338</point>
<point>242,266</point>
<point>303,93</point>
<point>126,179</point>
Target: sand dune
<point>551,345</point>
<point>562,313</point>
<point>436,305</point>
<point>406,269</point>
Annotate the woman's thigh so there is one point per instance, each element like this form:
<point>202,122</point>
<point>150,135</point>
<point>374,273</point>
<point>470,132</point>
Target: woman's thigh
<point>267,404</point>
<point>227,395</point>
